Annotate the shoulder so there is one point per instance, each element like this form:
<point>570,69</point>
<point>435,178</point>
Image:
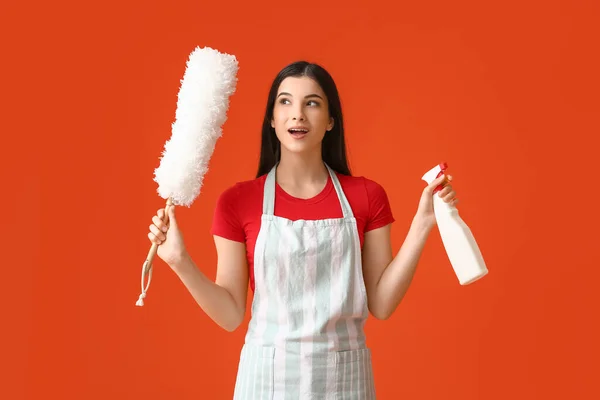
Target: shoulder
<point>370,200</point>
<point>368,186</point>
<point>242,191</point>
<point>240,200</point>
<point>236,207</point>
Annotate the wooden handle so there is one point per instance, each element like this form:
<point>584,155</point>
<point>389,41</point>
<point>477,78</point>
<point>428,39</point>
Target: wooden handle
<point>154,247</point>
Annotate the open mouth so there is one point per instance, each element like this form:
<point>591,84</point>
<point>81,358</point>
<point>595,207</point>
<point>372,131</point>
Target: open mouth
<point>298,133</point>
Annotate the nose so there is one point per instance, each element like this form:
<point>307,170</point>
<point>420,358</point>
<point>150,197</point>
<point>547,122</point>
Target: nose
<point>298,113</point>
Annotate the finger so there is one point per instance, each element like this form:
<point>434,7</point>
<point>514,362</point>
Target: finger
<point>172,221</point>
<point>435,183</point>
<point>449,197</point>
<point>159,223</point>
<point>156,232</point>
<point>153,238</point>
<point>163,215</point>
<point>445,191</point>
<point>439,180</point>
<point>160,235</point>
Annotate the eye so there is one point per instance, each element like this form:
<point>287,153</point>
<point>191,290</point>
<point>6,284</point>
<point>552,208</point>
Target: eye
<point>284,101</point>
<point>313,103</point>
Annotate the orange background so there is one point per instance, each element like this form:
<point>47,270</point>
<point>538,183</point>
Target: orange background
<point>506,93</point>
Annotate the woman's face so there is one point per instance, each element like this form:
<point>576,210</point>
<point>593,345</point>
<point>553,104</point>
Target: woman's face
<point>301,115</point>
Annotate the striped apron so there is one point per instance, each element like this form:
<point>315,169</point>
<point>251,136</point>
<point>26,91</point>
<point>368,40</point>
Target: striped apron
<point>305,338</point>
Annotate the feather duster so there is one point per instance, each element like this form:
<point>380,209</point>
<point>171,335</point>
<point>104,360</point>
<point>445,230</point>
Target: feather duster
<point>209,80</point>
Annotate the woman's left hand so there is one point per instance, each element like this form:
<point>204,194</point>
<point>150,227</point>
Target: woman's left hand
<point>425,209</point>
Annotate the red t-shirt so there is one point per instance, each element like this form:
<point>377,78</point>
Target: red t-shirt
<point>238,210</point>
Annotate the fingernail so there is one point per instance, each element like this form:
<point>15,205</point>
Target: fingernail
<point>164,228</point>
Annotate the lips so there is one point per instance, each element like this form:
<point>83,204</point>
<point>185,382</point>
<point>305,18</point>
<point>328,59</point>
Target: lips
<point>298,132</point>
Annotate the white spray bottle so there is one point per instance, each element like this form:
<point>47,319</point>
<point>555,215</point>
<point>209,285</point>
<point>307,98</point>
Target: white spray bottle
<point>460,245</point>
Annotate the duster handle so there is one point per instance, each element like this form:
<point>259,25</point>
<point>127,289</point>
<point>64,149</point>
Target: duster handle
<point>147,266</point>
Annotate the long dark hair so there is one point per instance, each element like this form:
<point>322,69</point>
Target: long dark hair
<point>333,146</point>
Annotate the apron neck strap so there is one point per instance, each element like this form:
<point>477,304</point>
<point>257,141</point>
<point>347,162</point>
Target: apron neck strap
<point>346,209</point>
<point>269,193</point>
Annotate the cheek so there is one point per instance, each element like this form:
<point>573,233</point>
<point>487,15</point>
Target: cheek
<point>279,126</point>
<point>279,122</point>
<point>279,118</point>
<point>279,112</point>
<point>276,117</point>
<point>319,116</point>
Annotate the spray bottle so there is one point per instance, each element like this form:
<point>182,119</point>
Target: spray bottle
<point>461,247</point>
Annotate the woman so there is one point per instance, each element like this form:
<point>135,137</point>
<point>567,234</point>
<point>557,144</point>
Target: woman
<point>313,244</point>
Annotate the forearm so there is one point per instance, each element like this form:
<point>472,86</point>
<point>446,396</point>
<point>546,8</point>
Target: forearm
<point>213,299</point>
<point>398,275</point>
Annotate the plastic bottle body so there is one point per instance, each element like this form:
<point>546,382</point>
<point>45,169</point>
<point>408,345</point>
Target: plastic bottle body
<point>462,249</point>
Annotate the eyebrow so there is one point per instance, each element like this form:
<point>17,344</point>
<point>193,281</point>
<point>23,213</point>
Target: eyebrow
<point>306,97</point>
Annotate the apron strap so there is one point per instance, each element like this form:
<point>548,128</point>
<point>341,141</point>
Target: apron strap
<point>346,209</point>
<point>269,193</point>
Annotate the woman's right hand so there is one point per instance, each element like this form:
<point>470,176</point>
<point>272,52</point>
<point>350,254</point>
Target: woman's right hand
<point>167,235</point>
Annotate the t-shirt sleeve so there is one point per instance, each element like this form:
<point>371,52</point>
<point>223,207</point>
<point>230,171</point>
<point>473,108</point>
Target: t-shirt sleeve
<point>226,219</point>
<point>380,211</point>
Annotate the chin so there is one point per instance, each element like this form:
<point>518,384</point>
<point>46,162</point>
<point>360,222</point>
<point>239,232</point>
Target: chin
<point>299,147</point>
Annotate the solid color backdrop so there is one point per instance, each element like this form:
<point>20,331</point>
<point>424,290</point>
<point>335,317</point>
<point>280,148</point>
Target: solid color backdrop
<point>505,92</point>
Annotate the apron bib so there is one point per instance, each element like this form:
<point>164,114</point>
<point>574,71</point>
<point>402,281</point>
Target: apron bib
<point>305,338</point>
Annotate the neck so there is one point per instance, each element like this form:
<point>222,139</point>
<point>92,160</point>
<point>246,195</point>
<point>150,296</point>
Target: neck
<point>299,169</point>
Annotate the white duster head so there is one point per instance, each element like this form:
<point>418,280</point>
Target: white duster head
<point>209,80</point>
